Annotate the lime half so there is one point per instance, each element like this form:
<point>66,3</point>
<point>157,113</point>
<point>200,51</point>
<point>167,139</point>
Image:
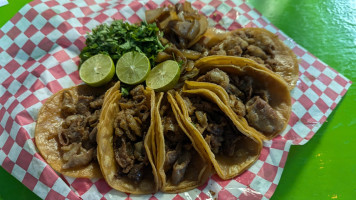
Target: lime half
<point>97,70</point>
<point>133,68</point>
<point>164,76</point>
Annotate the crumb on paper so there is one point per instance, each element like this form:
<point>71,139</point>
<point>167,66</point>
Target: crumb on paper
<point>212,192</point>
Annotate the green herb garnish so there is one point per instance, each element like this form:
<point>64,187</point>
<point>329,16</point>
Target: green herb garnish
<point>125,91</point>
<point>121,37</point>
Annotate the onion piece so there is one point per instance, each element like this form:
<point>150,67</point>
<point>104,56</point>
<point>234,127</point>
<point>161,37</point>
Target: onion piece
<point>190,54</point>
<point>152,15</point>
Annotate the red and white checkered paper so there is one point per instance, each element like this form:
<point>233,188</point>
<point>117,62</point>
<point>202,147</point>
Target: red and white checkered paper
<point>39,50</point>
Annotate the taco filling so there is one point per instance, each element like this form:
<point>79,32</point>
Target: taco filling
<point>261,46</point>
<point>248,44</point>
<point>178,148</point>
<point>218,131</point>
<point>246,100</point>
<point>77,137</point>
<point>131,125</point>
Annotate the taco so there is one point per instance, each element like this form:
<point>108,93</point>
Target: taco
<point>125,140</point>
<point>258,99</point>
<point>231,149</point>
<point>263,47</point>
<point>66,130</point>
<point>180,164</point>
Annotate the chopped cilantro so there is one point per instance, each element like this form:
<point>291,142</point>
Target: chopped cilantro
<point>121,37</point>
<point>125,91</point>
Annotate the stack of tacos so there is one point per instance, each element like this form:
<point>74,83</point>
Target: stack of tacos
<point>234,95</point>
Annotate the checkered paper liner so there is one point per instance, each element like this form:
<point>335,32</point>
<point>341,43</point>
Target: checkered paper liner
<point>39,50</point>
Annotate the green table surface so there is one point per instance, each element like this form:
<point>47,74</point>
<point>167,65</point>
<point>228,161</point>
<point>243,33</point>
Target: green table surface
<point>325,167</point>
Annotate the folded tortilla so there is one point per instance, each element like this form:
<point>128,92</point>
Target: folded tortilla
<point>230,148</point>
<point>66,130</point>
<point>180,164</point>
<point>126,146</point>
<point>257,99</point>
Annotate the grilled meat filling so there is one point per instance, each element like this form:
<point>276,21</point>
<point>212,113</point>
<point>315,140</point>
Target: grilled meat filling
<point>131,125</point>
<point>178,147</point>
<point>247,101</point>
<point>216,128</point>
<point>77,138</point>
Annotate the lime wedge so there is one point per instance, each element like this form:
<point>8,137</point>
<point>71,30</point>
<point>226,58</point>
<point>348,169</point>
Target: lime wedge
<point>164,76</point>
<point>97,70</point>
<point>133,68</point>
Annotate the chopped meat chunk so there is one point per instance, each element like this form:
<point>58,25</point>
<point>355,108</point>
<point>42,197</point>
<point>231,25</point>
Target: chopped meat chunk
<point>170,158</point>
<point>134,125</point>
<point>180,166</point>
<point>70,150</point>
<point>262,116</point>
<point>123,124</point>
<point>237,105</point>
<point>202,121</point>
<point>137,91</point>
<point>83,105</point>
<point>233,90</point>
<point>245,85</point>
<point>97,103</point>
<point>90,141</point>
<point>169,124</point>
<point>139,100</point>
<point>78,120</point>
<point>139,152</point>
<point>171,129</point>
<point>124,156</point>
<point>256,51</point>
<point>143,112</point>
<point>189,105</point>
<point>263,94</point>
<point>124,104</point>
<point>163,109</point>
<point>93,119</point>
<point>136,173</point>
<point>216,76</point>
<point>231,46</point>
<point>74,132</point>
<point>271,64</point>
<point>214,143</point>
<point>76,156</point>
<point>68,107</point>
